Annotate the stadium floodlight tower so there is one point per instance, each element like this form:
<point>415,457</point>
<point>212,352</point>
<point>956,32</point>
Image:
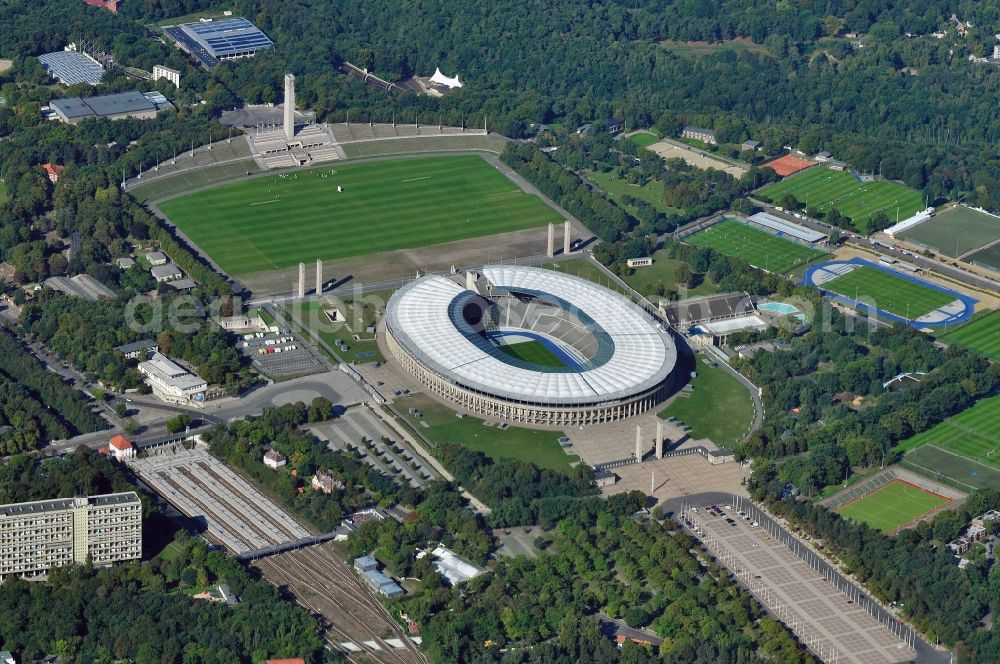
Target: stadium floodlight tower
<point>289,106</point>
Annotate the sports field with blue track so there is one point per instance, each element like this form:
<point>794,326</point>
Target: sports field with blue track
<point>890,294</point>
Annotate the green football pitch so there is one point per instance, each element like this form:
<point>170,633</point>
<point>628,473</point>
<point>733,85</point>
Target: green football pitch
<point>533,352</point>
<point>759,248</point>
<point>280,220</point>
<point>825,189</point>
<point>889,293</point>
<point>892,505</point>
<point>955,231</point>
<point>974,433</point>
<point>982,335</point>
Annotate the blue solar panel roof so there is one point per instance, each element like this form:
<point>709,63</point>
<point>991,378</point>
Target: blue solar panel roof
<point>228,36</point>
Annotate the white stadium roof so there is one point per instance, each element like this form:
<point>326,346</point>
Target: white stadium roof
<point>642,352</point>
<point>446,81</point>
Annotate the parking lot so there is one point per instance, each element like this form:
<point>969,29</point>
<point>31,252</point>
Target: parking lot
<point>234,513</point>
<point>279,355</point>
<point>831,617</point>
<point>396,459</point>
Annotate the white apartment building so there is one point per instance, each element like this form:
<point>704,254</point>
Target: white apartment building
<point>42,534</point>
<point>171,382</point>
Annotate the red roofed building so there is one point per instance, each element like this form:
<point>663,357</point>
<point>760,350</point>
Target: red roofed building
<point>53,171</point>
<point>110,5</point>
<point>621,639</point>
<point>121,448</point>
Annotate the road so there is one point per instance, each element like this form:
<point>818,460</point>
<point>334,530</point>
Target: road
<point>926,654</point>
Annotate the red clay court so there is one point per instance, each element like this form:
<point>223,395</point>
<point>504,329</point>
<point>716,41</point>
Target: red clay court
<point>785,166</point>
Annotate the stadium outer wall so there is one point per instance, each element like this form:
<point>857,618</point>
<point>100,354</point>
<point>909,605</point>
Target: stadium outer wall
<point>517,412</point>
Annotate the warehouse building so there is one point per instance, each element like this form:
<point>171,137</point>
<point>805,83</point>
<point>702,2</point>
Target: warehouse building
<point>111,107</point>
<point>42,534</point>
<point>72,67</point>
<point>211,41</point>
<point>171,382</point>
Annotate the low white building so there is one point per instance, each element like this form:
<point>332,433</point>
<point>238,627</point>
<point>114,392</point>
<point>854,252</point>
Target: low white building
<point>274,459</point>
<point>167,272</point>
<point>172,75</point>
<point>171,382</point>
<point>454,568</point>
<point>121,449</point>
<point>156,258</point>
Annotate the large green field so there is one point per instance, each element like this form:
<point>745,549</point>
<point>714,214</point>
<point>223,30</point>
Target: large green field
<point>615,187</point>
<point>974,433</point>
<point>533,352</point>
<point>826,189</point>
<point>889,293</point>
<point>718,408</point>
<point>760,249</point>
<point>892,505</point>
<point>279,220</point>
<point>663,273</point>
<point>644,139</point>
<point>539,447</point>
<point>955,231</point>
<point>981,334</point>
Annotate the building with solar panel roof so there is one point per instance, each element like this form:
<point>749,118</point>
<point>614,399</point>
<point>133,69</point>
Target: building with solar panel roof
<point>211,41</point>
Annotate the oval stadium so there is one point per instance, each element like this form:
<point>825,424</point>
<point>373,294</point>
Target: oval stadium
<point>530,345</point>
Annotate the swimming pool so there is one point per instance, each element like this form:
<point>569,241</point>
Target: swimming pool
<point>778,307</point>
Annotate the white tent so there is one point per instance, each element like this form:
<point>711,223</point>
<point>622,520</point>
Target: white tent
<point>441,79</point>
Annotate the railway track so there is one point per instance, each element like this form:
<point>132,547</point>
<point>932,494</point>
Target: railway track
<point>235,509</point>
<point>221,523</point>
<point>316,575</point>
<point>276,523</point>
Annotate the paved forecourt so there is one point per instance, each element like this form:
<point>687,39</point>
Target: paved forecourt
<point>890,294</point>
<point>349,210</point>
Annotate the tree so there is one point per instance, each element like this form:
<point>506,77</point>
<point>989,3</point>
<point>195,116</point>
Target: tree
<point>178,423</point>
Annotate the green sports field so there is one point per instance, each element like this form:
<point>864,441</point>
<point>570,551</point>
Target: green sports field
<point>760,249</point>
<point>533,352</point>
<point>892,505</point>
<point>826,189</point>
<point>891,294</point>
<point>974,433</point>
<point>982,335</point>
<point>644,139</point>
<point>280,220</point>
<point>955,231</point>
<point>718,408</point>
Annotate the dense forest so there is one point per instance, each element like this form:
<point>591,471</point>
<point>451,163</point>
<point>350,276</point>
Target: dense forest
<point>35,404</point>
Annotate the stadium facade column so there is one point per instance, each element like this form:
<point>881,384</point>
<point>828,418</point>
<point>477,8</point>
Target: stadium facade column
<point>302,280</point>
<point>638,443</point>
<point>551,250</point>
<point>319,276</point>
<point>659,438</point>
<point>566,238</point>
<point>289,106</point>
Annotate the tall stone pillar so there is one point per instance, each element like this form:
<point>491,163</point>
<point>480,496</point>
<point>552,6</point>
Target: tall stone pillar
<point>566,238</point>
<point>289,106</point>
<point>638,443</point>
<point>319,276</point>
<point>302,280</point>
<point>659,439</point>
<point>551,250</point>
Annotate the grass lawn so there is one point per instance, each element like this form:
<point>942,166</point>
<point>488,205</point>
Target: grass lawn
<point>826,189</point>
<point>757,247</point>
<point>644,139</point>
<point>719,407</point>
<point>651,192</point>
<point>279,220</point>
<point>889,293</point>
<point>533,352</point>
<point>974,433</point>
<point>893,505</point>
<point>310,315</point>
<point>982,334</point>
<point>539,447</point>
<point>648,280</point>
